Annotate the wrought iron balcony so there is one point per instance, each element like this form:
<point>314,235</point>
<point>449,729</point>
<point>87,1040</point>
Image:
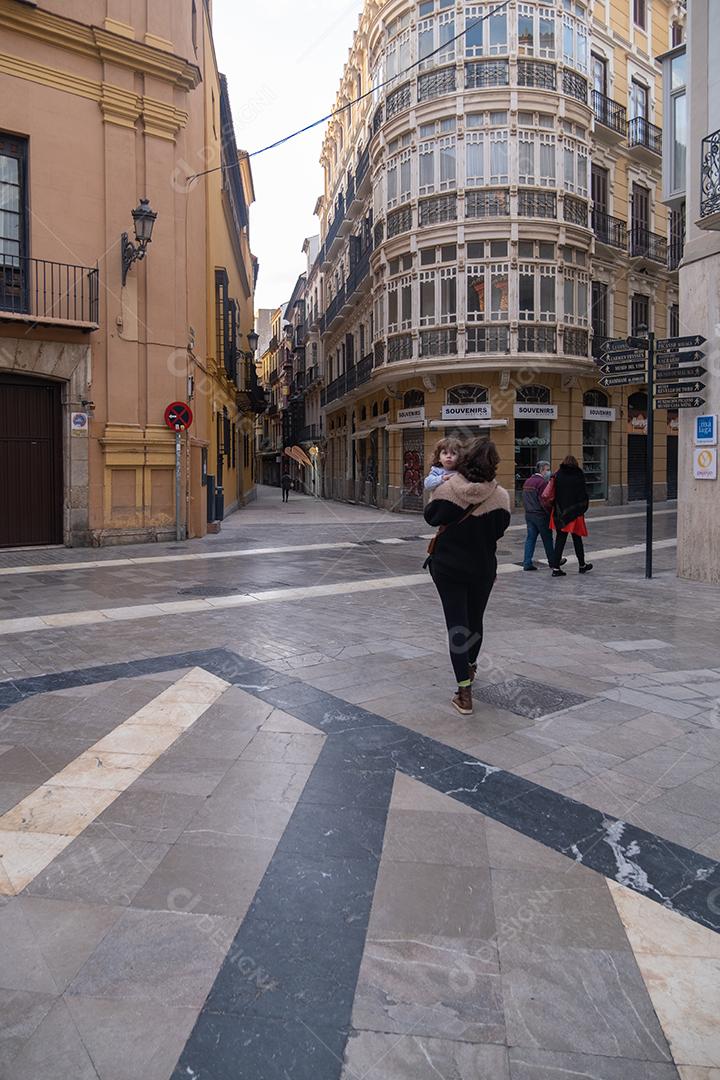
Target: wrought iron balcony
<point>482,204</point>
<point>483,73</point>
<point>56,294</point>
<point>647,245</point>
<point>378,118</point>
<point>336,222</point>
<point>363,166</point>
<point>398,100</point>
<point>399,348</point>
<point>436,83</point>
<point>537,204</point>
<point>641,133</point>
<point>609,230</point>
<point>364,369</point>
<point>335,306</point>
<point>310,433</point>
<point>575,86</point>
<point>676,247</point>
<point>575,211</point>
<point>398,221</point>
<point>538,339</point>
<point>575,341</point>
<point>358,273</point>
<point>435,210</point>
<point>438,342</point>
<point>488,339</point>
<point>609,113</point>
<point>536,73</point>
<point>710,176</point>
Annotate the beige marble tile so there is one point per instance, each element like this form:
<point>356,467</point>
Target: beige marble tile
<point>73,618</point>
<point>137,739</point>
<point>103,770</point>
<point>686,995</point>
<point>283,722</point>
<point>23,855</point>
<point>411,794</point>
<point>61,811</point>
<point>654,929</point>
<point>21,626</point>
<point>173,714</point>
<point>694,1072</point>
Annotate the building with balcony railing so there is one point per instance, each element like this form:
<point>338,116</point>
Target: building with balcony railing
<point>691,188</point>
<point>492,236</point>
<point>94,346</point>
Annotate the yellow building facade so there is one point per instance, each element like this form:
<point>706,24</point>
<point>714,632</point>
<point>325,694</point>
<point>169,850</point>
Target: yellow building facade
<point>492,212</point>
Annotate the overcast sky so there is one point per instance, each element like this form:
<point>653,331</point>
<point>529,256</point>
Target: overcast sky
<point>283,60</point>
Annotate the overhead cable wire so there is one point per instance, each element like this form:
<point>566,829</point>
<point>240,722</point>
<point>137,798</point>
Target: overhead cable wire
<point>355,101</point>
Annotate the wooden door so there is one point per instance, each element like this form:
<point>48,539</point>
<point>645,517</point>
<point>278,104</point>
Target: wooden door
<point>31,475</point>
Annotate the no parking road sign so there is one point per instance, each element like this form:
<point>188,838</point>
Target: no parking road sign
<point>178,416</point>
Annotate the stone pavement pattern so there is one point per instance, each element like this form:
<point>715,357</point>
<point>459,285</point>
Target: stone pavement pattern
<point>256,841</point>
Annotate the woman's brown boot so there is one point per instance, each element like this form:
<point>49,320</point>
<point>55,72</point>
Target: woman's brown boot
<point>463,700</point>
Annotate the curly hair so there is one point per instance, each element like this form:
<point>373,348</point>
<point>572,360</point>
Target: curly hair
<point>479,461</point>
<point>451,443</point>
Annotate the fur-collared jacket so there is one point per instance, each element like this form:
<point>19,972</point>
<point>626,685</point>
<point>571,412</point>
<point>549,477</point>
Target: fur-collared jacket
<point>467,549</point>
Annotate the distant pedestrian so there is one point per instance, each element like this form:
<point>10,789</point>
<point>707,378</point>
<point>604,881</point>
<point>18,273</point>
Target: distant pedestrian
<point>568,513</point>
<point>472,512</point>
<point>286,484</point>
<point>444,463</point>
<point>537,517</point>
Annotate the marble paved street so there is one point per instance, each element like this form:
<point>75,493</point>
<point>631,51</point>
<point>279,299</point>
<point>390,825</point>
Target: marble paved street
<point>243,836</point>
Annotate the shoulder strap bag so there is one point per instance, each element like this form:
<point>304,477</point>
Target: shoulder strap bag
<point>444,528</point>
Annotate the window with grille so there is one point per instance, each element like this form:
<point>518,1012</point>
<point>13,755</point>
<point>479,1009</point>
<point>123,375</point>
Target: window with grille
<point>399,100</point>
<point>399,293</point>
<point>532,395</point>
<point>436,83</point>
<point>399,172</point>
<point>639,313</point>
<point>467,394</point>
<point>488,339</point>
<point>482,204</point>
<point>537,339</point>
<point>438,343</point>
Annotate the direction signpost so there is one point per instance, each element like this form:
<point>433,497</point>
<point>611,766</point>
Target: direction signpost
<point>672,376</point>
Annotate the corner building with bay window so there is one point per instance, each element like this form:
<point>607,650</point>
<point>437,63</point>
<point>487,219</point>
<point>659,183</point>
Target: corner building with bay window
<point>488,217</point>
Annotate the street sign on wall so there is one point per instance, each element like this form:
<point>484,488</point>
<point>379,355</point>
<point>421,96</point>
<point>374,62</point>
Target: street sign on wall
<point>706,430</point>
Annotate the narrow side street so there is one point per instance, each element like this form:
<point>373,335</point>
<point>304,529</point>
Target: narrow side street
<point>244,835</point>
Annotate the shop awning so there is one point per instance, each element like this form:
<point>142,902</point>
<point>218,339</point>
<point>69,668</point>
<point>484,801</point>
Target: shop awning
<point>363,434</point>
<point>435,424</point>
<point>407,427</point>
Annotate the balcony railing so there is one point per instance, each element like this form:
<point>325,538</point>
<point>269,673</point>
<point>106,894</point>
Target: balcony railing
<point>575,342</point>
<point>482,204</point>
<point>398,100</point>
<point>609,113</point>
<point>676,248</point>
<point>364,369</point>
<point>436,210</point>
<point>537,204</point>
<point>399,221</point>
<point>379,233</point>
<point>310,433</point>
<point>575,211</point>
<point>575,86</point>
<point>642,133</point>
<point>542,339</point>
<point>49,292</point>
<point>438,342</point>
<point>335,306</point>
<point>378,118</point>
<point>363,165</point>
<point>358,272</point>
<point>648,245</point>
<point>484,73</point>
<point>399,348</point>
<point>436,83</point>
<point>710,175</point>
<point>488,339</point>
<point>336,222</point>
<point>609,230</point>
<point>535,73</point>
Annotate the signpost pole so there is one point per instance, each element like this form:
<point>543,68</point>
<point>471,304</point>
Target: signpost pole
<point>178,508</point>
<point>650,477</point>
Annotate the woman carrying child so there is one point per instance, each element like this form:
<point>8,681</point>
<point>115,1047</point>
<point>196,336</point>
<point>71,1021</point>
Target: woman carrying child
<point>472,512</point>
<point>444,463</point>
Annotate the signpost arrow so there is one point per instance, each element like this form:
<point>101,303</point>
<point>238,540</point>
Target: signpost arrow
<point>680,403</point>
<point>681,357</point>
<point>630,366</point>
<point>680,388</point>
<point>614,345</point>
<point>624,356</point>
<point>623,380</point>
<point>673,344</point>
<point>675,372</point>
<point>638,343</point>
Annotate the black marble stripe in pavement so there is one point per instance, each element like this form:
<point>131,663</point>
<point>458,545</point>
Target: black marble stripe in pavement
<point>281,1004</point>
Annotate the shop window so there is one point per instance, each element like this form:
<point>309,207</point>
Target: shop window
<point>532,437</point>
<point>595,447</point>
<point>413,399</point>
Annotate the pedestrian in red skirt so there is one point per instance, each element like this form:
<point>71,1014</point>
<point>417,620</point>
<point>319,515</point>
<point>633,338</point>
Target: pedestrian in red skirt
<point>569,506</point>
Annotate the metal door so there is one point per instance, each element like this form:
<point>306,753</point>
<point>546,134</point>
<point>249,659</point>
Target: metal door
<point>30,462</point>
<point>599,182</point>
<point>413,469</point>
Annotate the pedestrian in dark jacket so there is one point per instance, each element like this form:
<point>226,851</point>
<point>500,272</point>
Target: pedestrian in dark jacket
<point>537,518</point>
<point>568,513</point>
<point>286,484</point>
<point>472,512</point>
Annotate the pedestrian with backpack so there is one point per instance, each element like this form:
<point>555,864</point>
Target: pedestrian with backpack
<point>471,512</point>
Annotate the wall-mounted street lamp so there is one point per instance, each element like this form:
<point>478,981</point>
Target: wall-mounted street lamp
<point>252,340</point>
<point>143,221</point>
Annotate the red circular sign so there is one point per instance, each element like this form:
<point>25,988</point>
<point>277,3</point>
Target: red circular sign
<point>178,416</point>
